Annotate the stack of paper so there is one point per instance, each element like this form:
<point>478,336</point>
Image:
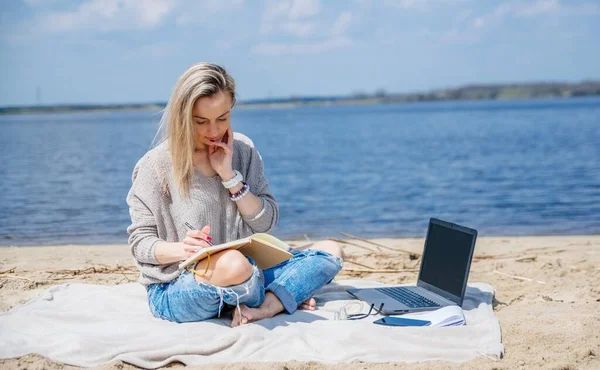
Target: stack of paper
<point>445,316</point>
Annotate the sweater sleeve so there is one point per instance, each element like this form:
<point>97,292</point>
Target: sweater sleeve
<point>264,219</point>
<point>143,232</point>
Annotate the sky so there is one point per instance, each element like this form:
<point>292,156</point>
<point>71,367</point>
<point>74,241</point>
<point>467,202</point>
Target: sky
<point>133,51</point>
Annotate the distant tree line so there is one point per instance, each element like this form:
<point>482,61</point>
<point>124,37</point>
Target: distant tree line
<point>468,92</point>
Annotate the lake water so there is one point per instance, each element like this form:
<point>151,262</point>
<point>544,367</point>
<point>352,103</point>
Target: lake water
<point>503,167</point>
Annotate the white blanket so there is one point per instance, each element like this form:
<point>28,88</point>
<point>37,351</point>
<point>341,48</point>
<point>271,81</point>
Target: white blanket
<point>88,325</point>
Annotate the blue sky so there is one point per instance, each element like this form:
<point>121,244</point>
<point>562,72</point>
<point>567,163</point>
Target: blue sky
<point>120,51</point>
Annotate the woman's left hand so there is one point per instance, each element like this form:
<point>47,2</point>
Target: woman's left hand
<point>220,155</point>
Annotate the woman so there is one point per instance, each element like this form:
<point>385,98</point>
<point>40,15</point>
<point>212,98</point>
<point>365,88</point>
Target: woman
<point>204,174</point>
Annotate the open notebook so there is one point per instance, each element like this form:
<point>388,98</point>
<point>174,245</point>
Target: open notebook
<point>266,250</point>
<point>445,316</point>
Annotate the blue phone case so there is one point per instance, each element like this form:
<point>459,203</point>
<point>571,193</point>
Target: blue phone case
<point>399,321</point>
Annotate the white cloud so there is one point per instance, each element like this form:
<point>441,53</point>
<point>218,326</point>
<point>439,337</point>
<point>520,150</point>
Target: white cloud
<point>106,15</point>
<point>273,48</point>
<point>459,36</point>
<point>420,4</point>
<point>300,20</point>
<point>538,8</point>
<point>298,29</point>
<point>110,15</point>
<point>158,50</point>
<point>497,15</point>
<point>534,9</point>
<point>205,10</point>
<point>427,36</point>
<point>294,17</point>
<point>404,4</point>
<point>276,9</point>
<point>304,9</point>
<point>38,3</point>
<point>463,16</point>
<point>342,24</point>
<point>479,22</point>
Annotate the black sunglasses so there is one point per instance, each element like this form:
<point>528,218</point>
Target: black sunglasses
<point>358,316</point>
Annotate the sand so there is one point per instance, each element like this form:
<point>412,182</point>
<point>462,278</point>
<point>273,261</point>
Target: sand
<point>547,294</point>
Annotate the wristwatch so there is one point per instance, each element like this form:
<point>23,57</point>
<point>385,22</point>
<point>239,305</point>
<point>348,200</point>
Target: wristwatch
<point>233,182</point>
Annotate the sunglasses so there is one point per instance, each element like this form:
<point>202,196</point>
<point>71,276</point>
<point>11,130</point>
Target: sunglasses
<point>358,316</point>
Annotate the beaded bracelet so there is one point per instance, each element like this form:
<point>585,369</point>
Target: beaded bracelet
<point>240,194</point>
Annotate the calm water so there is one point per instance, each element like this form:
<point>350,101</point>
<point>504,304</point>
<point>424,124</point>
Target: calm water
<point>504,168</point>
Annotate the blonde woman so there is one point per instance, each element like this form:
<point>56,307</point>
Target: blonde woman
<point>204,174</point>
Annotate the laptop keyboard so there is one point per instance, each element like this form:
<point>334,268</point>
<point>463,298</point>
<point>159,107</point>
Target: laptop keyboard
<point>408,297</point>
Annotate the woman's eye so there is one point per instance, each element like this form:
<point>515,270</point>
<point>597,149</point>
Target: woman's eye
<point>200,122</point>
<point>222,119</point>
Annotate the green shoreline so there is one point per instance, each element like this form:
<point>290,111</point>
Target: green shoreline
<point>543,90</point>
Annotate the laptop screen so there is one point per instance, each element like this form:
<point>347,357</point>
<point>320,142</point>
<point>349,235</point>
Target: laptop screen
<point>446,258</point>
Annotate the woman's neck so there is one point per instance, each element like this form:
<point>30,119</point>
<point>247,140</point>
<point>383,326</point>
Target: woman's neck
<point>202,164</point>
<point>200,156</point>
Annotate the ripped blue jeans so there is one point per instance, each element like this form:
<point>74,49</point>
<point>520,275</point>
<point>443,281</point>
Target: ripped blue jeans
<point>293,281</point>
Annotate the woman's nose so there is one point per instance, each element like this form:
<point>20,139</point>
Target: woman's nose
<point>212,129</point>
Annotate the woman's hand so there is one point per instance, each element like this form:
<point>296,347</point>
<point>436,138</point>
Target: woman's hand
<point>220,155</point>
<point>196,240</point>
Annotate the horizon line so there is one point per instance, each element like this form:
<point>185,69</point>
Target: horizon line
<point>357,95</point>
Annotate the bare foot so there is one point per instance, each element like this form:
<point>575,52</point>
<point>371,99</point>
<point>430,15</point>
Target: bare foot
<point>310,304</point>
<point>246,314</point>
<point>269,308</point>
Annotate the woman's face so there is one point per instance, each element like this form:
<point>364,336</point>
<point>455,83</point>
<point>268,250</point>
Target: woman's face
<point>211,116</point>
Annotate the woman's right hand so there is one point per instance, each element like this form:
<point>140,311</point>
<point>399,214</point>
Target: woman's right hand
<point>196,240</point>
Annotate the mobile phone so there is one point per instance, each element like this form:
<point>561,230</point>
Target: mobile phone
<point>399,321</point>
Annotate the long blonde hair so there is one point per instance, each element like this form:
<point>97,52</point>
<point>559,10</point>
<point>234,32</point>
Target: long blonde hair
<point>200,80</point>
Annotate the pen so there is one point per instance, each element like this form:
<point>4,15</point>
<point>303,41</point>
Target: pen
<point>189,226</point>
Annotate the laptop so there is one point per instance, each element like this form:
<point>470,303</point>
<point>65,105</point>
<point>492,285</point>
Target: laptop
<point>443,274</point>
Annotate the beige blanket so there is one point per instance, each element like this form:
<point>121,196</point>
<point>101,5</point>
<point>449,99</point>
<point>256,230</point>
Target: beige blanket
<point>88,325</point>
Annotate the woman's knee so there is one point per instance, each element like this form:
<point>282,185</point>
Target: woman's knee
<point>330,247</point>
<point>226,268</point>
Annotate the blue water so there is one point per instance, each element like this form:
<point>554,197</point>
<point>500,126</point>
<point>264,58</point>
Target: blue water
<point>504,168</point>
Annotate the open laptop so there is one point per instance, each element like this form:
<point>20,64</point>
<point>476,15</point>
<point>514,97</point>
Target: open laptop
<point>443,275</point>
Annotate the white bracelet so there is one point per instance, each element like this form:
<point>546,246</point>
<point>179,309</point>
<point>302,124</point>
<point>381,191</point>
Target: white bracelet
<point>240,194</point>
<point>233,182</point>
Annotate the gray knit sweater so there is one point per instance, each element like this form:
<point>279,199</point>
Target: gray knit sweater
<point>158,211</point>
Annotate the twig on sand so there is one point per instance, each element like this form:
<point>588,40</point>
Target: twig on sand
<point>127,277</point>
<point>94,270</point>
<point>364,240</point>
<point>354,244</point>
<point>483,257</point>
<point>358,264</point>
<point>518,277</point>
<point>488,356</point>
<point>56,278</point>
<point>379,270</point>
<point>9,271</point>
<point>526,259</point>
<point>18,277</point>
<point>58,275</point>
<point>380,245</point>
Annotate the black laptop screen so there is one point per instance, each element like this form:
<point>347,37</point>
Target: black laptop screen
<point>446,258</point>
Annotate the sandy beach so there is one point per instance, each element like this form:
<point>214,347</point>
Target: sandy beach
<point>547,293</point>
